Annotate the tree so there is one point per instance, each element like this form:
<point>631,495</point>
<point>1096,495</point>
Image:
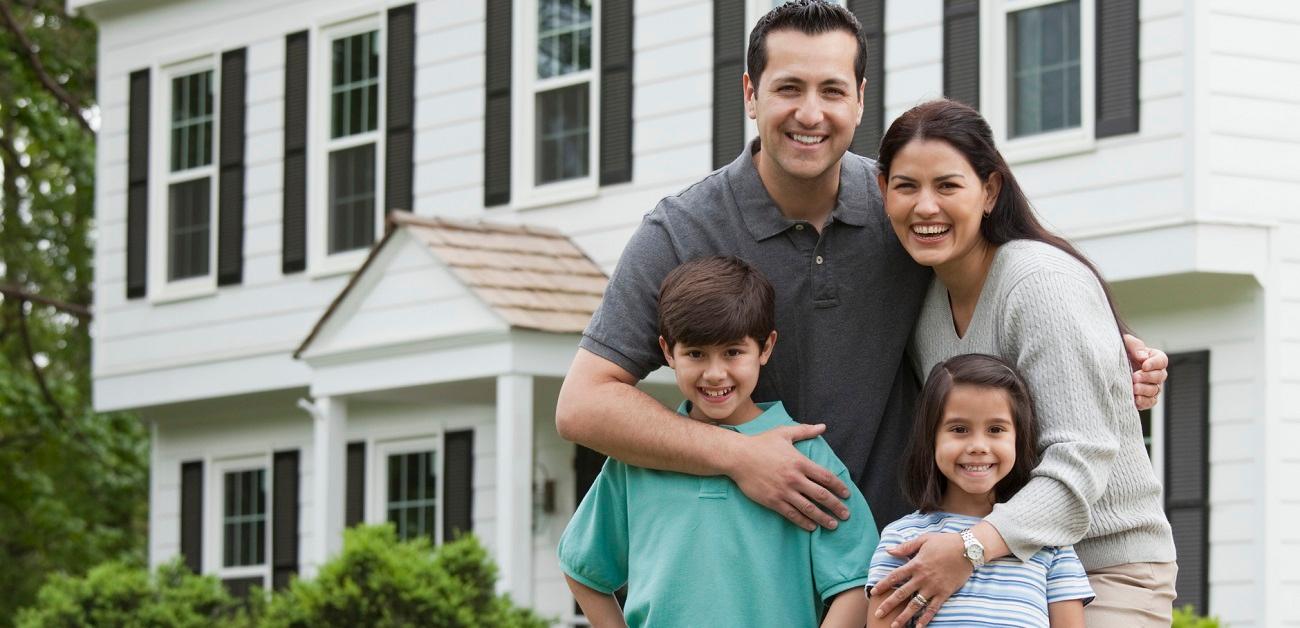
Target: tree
<point>74,483</point>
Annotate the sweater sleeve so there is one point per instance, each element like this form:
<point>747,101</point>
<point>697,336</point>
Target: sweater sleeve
<point>1058,329</point>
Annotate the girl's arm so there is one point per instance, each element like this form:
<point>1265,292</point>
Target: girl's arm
<point>601,609</point>
<point>848,608</point>
<point>1065,614</point>
<point>873,603</point>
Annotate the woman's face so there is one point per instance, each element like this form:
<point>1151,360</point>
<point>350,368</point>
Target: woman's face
<point>936,202</point>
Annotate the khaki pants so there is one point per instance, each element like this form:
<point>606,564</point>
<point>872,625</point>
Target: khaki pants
<point>1133,594</point>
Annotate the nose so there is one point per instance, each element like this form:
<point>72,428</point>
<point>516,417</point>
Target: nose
<point>809,113</point>
<point>714,371</point>
<point>977,446</point>
<point>927,206</point>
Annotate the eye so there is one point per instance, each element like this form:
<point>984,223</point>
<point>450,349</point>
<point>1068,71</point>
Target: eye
<point>735,352</point>
<point>998,429</point>
<point>957,429</point>
<point>903,186</point>
<point>694,354</point>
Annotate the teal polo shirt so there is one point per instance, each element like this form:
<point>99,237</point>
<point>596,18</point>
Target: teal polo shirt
<point>694,551</point>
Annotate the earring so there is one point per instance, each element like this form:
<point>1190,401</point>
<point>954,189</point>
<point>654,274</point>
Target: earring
<point>986,214</point>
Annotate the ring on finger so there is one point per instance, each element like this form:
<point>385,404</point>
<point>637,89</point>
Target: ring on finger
<point>920,600</point>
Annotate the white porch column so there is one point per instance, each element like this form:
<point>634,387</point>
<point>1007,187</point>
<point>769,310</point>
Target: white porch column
<point>514,546</point>
<point>328,466</point>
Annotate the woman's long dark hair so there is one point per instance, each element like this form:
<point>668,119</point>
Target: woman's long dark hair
<point>923,484</point>
<point>963,128</point>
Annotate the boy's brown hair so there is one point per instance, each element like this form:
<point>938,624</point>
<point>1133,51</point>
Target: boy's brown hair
<point>716,300</point>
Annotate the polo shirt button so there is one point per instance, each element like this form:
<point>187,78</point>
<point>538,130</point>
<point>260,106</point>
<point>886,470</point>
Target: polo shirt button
<point>798,227</point>
<point>819,259</point>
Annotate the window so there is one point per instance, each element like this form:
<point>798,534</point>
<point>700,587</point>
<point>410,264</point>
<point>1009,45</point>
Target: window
<point>349,167</point>
<point>185,133</point>
<point>243,518</point>
<point>1037,76</point>
<point>558,69</point>
<point>412,494</point>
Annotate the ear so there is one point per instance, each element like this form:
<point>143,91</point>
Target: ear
<point>862,96</point>
<point>750,91</point>
<point>992,187</point>
<point>668,354</point>
<point>880,181</point>
<point>768,345</point>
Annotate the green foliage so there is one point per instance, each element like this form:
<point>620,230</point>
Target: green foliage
<point>117,594</point>
<point>1186,617</point>
<point>379,581</point>
<point>376,581</point>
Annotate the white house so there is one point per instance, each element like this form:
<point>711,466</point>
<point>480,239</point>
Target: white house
<point>304,362</point>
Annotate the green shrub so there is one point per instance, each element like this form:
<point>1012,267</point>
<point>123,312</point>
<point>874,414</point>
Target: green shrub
<point>379,581</point>
<point>1185,617</point>
<point>116,594</point>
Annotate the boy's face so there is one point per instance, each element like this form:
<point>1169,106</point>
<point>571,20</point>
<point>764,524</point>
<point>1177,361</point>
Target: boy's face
<point>719,379</point>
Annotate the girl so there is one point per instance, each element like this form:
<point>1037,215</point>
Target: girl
<point>1006,286</point>
<point>973,446</point>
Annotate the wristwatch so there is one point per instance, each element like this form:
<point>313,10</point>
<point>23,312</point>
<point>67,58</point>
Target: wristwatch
<point>974,549</point>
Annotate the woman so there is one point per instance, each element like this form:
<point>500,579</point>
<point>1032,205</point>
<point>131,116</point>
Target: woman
<point>1006,286</point>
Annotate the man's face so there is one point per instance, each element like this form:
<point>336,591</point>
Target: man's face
<point>807,103</point>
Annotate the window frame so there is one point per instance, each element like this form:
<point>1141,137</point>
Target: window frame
<point>377,477</point>
<point>995,80</point>
<point>214,517</point>
<point>161,289</point>
<point>320,262</point>
<point>525,193</point>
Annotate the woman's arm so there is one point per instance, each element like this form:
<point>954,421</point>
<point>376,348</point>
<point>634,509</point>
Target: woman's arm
<point>848,610</point>
<point>1065,614</point>
<point>601,609</point>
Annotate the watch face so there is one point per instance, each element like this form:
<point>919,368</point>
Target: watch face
<point>976,553</point>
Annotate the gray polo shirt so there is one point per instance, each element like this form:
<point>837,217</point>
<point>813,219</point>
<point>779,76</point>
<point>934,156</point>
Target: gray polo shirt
<point>846,301</point>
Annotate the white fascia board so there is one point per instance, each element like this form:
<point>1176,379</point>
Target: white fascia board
<point>414,364</point>
<point>142,389</point>
<point>1207,246</point>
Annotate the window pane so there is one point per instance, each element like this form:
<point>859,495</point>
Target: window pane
<point>191,121</point>
<point>352,198</point>
<point>563,37</point>
<point>562,134</point>
<point>355,85</point>
<point>244,518</point>
<point>412,494</point>
<point>1043,68</point>
<point>188,228</point>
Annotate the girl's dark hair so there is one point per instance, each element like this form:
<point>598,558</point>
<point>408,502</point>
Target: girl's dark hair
<point>963,128</point>
<point>923,484</point>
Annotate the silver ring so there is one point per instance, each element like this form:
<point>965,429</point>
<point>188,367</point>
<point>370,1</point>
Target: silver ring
<point>921,600</point>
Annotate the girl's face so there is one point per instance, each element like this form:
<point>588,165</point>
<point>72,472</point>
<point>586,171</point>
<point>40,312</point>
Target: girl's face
<point>975,446</point>
<point>936,202</point>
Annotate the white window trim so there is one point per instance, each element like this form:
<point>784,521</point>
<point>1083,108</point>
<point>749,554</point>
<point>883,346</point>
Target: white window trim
<point>319,262</point>
<point>213,528</point>
<point>994,81</point>
<point>1158,451</point>
<point>524,192</point>
<point>377,491</point>
<point>160,289</point>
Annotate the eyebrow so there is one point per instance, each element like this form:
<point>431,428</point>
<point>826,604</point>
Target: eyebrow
<point>952,175</point>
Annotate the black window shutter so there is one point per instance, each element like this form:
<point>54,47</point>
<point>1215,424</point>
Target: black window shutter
<point>284,518</point>
<point>1187,473</point>
<point>294,234</point>
<point>458,483</point>
<point>354,498</point>
<point>728,66</point>
<point>400,143</point>
<point>586,466</point>
<point>871,13</point>
<point>961,51</point>
<point>230,219</point>
<point>616,91</point>
<point>192,514</point>
<point>1117,67</point>
<point>137,185</point>
<point>496,123</point>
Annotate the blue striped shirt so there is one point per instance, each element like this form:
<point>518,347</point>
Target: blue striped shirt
<point>1004,592</point>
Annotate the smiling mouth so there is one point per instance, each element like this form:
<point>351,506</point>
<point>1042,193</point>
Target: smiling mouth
<point>716,394</point>
<point>930,232</point>
<point>976,468</point>
<point>807,140</point>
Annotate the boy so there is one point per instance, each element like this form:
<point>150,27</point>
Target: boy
<point>693,550</point>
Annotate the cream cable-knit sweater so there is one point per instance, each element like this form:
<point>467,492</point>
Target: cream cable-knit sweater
<point>1094,487</point>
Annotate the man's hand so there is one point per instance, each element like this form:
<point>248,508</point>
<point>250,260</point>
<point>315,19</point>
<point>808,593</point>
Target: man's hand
<point>937,570</point>
<point>770,471</point>
<point>1149,372</point>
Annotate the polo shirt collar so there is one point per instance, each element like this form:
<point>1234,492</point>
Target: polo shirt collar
<point>773,416</point>
<point>764,219</point>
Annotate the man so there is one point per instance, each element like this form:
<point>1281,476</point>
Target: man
<point>810,217</point>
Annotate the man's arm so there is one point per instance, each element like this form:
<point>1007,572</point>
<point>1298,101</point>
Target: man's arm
<point>600,407</point>
<point>601,609</point>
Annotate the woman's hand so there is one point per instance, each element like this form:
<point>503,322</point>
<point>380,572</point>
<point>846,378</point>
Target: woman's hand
<point>938,568</point>
<point>1149,366</point>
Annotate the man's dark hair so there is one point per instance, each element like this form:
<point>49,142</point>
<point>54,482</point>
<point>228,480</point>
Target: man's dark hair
<point>810,17</point>
<point>923,483</point>
<point>715,301</point>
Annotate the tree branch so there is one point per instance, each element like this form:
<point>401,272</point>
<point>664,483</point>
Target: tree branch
<point>26,49</point>
<point>80,311</point>
<point>36,369</point>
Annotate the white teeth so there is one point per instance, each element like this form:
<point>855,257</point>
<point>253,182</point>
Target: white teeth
<point>807,139</point>
<point>976,468</point>
<point>929,229</point>
<point>717,393</point>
